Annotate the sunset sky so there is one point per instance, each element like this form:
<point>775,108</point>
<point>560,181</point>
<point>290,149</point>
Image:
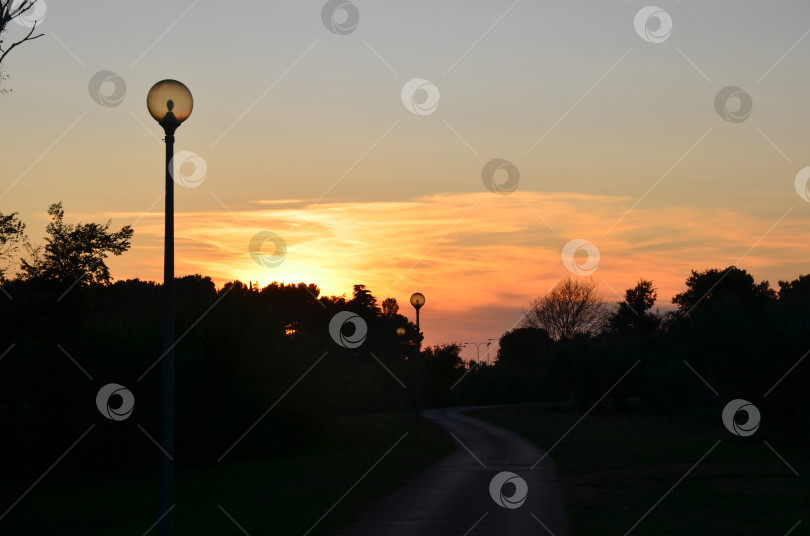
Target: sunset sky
<point>304,133</point>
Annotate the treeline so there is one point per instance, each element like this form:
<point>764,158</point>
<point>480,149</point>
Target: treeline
<point>267,370</point>
<point>259,370</point>
<point>241,350</point>
<point>742,338</point>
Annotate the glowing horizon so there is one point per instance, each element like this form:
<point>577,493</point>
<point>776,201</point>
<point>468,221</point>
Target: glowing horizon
<point>368,150</point>
<point>467,252</point>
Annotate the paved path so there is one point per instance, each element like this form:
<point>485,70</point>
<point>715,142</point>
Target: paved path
<point>453,498</point>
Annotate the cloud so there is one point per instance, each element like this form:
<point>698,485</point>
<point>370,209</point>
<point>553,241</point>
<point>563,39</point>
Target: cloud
<point>467,251</point>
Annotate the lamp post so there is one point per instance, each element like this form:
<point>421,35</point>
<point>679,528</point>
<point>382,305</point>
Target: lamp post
<point>418,300</point>
<point>169,103</point>
<point>400,334</point>
<point>478,349</point>
<point>498,341</point>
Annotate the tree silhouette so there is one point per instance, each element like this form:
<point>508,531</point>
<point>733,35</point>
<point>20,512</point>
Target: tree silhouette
<point>572,307</point>
<point>363,299</point>
<point>796,292</point>
<point>9,10</point>
<point>524,347</point>
<point>12,235</point>
<point>632,313</point>
<point>390,307</point>
<point>712,287</point>
<point>75,253</point>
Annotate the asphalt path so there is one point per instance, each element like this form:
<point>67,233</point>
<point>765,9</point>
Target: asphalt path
<point>454,496</point>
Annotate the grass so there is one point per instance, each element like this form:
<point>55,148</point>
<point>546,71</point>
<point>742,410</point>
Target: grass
<point>614,470</point>
<point>279,495</point>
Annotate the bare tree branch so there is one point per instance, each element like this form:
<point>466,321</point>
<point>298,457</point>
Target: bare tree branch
<point>9,10</point>
<point>572,307</point>
<point>4,53</point>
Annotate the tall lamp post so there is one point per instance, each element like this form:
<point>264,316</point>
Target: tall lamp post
<point>497,341</point>
<point>400,334</point>
<point>169,103</point>
<point>418,300</point>
<point>478,349</point>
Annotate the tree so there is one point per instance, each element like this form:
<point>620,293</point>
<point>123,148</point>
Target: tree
<point>632,313</point>
<point>442,366</point>
<point>572,307</point>
<point>12,234</point>
<point>795,292</point>
<point>76,253</point>
<point>363,299</point>
<point>390,307</point>
<point>524,347</point>
<point>10,10</point>
<point>713,286</point>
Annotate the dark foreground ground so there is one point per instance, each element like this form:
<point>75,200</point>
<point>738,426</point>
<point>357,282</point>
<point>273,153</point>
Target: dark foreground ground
<point>620,476</point>
<point>615,469</point>
<point>287,495</point>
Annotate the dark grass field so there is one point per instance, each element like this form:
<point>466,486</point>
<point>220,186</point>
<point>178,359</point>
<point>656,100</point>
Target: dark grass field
<point>278,496</point>
<point>614,469</point>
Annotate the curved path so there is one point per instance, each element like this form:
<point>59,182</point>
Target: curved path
<point>453,498</point>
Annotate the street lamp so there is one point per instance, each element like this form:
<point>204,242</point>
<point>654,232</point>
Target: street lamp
<point>478,349</point>
<point>169,103</point>
<point>418,300</point>
<point>400,335</point>
<point>498,341</point>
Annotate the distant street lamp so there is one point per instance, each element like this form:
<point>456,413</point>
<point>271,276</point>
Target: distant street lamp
<point>418,300</point>
<point>170,103</point>
<point>478,349</point>
<point>498,341</point>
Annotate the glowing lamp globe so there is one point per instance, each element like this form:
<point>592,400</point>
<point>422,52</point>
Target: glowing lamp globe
<point>169,103</point>
<point>418,300</point>
<point>400,331</point>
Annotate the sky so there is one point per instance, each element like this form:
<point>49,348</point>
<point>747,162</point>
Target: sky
<point>474,151</point>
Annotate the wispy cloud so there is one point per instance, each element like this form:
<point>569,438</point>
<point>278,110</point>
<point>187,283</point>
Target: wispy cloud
<point>496,258</point>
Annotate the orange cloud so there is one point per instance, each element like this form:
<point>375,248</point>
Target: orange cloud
<point>479,258</point>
